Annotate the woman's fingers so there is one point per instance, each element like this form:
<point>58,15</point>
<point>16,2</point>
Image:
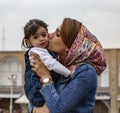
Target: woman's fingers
<point>33,62</point>
<point>34,59</point>
<point>38,67</point>
<point>43,109</point>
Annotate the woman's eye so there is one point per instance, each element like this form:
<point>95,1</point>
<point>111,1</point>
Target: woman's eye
<point>58,35</point>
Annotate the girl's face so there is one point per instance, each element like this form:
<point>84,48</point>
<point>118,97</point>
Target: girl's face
<point>56,43</point>
<point>39,39</point>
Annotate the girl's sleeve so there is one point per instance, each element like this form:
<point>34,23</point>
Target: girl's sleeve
<point>71,95</point>
<point>50,62</point>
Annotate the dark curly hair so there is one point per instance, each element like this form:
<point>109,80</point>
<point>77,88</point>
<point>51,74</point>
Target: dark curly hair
<point>31,28</point>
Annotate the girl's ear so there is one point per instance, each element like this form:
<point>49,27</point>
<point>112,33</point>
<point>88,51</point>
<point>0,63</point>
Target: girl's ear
<point>28,42</point>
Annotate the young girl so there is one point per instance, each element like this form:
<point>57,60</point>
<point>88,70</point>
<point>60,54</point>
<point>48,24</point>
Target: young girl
<point>36,40</point>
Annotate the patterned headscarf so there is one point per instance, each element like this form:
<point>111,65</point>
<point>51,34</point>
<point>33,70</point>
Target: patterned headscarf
<point>86,48</point>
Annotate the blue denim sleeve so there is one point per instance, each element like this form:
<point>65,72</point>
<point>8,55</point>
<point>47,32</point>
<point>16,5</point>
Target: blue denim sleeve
<point>32,85</point>
<point>83,82</point>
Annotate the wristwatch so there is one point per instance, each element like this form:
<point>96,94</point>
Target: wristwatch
<point>46,81</point>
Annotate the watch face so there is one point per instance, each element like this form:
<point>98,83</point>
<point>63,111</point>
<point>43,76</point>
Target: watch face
<point>46,80</point>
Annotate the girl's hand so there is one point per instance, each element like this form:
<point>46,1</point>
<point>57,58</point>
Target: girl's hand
<point>72,68</point>
<point>38,67</point>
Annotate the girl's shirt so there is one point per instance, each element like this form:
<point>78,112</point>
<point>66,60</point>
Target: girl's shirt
<point>50,62</point>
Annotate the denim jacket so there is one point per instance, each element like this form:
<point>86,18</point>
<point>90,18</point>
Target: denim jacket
<point>73,95</point>
<point>32,83</point>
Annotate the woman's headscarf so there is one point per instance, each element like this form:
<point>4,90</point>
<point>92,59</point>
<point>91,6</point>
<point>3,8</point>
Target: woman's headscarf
<point>86,48</point>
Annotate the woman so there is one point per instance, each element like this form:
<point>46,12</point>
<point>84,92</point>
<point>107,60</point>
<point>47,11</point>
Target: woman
<point>75,45</point>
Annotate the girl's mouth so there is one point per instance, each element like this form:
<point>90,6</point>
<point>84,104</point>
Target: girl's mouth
<point>43,44</point>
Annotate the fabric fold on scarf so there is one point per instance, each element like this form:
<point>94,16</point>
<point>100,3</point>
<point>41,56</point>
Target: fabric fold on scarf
<point>87,48</point>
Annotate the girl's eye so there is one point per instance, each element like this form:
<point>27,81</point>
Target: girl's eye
<point>35,37</point>
<point>44,34</point>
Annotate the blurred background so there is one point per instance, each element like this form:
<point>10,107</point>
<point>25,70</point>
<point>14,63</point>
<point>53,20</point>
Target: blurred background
<point>100,17</point>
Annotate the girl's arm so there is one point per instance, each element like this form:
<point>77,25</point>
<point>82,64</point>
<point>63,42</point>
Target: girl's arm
<point>50,62</point>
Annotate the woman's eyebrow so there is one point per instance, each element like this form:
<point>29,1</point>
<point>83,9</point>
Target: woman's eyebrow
<point>57,30</point>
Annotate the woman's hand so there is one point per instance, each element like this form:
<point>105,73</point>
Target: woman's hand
<point>43,109</point>
<point>38,67</point>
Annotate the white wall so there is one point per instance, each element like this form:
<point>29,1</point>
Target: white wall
<point>8,67</point>
<point>103,80</point>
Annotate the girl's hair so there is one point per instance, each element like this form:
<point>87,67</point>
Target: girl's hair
<point>31,28</point>
<point>69,30</point>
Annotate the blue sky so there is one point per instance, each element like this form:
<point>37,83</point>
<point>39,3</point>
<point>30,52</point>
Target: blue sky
<point>101,17</point>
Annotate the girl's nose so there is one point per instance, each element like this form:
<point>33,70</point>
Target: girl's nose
<point>40,38</point>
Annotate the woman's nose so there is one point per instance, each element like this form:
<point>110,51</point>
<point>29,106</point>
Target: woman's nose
<point>50,36</point>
